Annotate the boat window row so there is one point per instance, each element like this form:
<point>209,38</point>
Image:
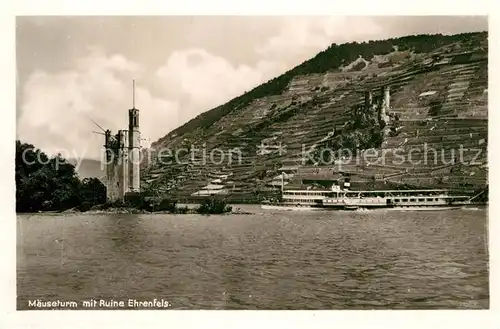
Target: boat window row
<point>308,193</point>
<point>417,200</point>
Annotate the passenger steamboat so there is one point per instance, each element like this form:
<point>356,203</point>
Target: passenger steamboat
<point>346,199</point>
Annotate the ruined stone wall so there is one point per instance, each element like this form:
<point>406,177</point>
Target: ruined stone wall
<point>116,166</point>
<point>122,164</point>
<point>112,181</point>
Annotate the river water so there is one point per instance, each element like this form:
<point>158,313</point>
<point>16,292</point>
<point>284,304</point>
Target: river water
<point>268,260</point>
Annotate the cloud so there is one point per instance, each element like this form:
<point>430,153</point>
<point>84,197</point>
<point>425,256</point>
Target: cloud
<point>302,37</point>
<point>56,107</point>
<point>202,80</point>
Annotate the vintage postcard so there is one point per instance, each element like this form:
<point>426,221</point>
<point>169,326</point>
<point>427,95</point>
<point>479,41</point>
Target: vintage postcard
<point>252,163</point>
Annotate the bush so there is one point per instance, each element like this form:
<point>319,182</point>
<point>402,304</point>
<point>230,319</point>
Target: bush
<point>51,184</point>
<point>112,204</point>
<point>92,192</point>
<point>137,200</point>
<point>85,206</point>
<point>481,194</point>
<point>213,206</point>
<point>181,210</point>
<point>166,205</point>
<point>435,109</point>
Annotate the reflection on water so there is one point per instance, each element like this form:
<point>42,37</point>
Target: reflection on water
<point>270,260</point>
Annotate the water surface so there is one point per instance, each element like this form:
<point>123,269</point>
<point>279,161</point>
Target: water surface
<point>268,260</point>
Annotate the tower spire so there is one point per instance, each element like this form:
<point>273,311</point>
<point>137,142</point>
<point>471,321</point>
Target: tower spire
<point>134,144</point>
<point>133,93</point>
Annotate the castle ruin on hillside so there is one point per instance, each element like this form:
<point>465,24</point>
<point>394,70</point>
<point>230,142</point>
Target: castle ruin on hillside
<point>383,103</point>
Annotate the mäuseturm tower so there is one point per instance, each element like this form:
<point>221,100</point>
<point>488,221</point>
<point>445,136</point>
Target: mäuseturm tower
<point>134,136</point>
<point>123,156</point>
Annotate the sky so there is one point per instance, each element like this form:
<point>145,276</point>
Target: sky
<point>72,69</point>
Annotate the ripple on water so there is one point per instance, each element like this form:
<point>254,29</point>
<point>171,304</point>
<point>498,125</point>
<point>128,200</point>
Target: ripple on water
<point>325,260</point>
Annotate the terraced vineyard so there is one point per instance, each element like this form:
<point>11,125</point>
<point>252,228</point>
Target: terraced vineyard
<point>438,138</point>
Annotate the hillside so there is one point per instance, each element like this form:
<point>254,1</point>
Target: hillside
<point>88,168</point>
<point>438,99</point>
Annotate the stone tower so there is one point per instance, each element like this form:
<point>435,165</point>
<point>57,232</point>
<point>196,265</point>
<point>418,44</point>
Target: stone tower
<point>386,103</point>
<point>387,97</point>
<point>368,98</point>
<point>134,136</point>
<point>122,164</point>
<point>122,158</point>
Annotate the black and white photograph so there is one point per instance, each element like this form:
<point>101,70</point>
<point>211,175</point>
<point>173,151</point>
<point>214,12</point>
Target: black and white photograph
<point>251,163</point>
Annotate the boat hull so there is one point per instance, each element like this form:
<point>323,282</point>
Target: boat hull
<point>290,207</point>
<point>425,208</point>
<point>352,208</point>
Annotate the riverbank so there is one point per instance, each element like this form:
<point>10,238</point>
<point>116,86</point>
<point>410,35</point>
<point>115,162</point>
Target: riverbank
<point>122,210</point>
